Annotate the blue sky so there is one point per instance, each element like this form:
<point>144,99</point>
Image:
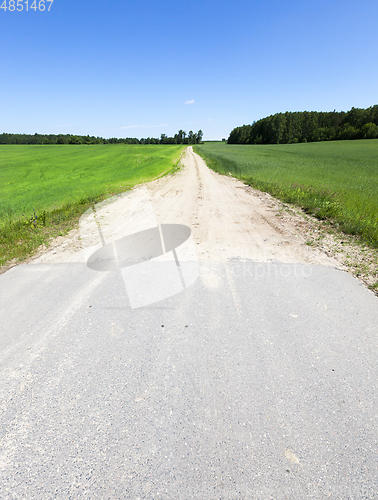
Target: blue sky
<point>139,69</point>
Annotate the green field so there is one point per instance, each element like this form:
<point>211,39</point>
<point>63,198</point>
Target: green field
<point>48,177</point>
<point>332,180</point>
<point>61,182</point>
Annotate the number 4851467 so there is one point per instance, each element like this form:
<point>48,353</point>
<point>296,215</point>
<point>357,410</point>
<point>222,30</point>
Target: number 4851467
<point>24,4</point>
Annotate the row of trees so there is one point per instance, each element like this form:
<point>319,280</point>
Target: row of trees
<point>48,139</point>
<point>309,126</point>
<point>180,138</point>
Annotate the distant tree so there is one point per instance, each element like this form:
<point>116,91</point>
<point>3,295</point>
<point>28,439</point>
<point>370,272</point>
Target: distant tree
<point>74,140</point>
<point>347,132</point>
<point>61,139</point>
<point>181,135</point>
<point>240,135</point>
<point>191,138</point>
<point>370,131</point>
<point>199,136</point>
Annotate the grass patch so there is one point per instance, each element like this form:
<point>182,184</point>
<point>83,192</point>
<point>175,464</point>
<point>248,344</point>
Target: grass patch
<point>45,189</point>
<point>331,180</point>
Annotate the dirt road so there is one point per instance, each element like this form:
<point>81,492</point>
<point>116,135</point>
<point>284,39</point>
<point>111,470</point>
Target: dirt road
<point>228,219</point>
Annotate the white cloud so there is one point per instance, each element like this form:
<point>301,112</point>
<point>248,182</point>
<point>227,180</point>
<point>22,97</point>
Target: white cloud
<point>192,101</point>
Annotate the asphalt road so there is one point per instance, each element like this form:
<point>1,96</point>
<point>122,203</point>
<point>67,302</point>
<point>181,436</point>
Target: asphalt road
<point>258,381</point>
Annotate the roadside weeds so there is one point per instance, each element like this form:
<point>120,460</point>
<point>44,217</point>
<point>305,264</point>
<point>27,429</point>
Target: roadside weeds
<point>358,259</point>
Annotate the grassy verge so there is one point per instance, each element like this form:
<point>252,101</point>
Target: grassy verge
<point>45,189</point>
<point>337,181</point>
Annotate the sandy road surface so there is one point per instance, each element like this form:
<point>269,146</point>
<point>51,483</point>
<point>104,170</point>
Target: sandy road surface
<point>228,219</point>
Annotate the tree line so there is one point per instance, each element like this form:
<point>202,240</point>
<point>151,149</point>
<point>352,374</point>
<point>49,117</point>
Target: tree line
<point>309,126</point>
<point>180,138</point>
